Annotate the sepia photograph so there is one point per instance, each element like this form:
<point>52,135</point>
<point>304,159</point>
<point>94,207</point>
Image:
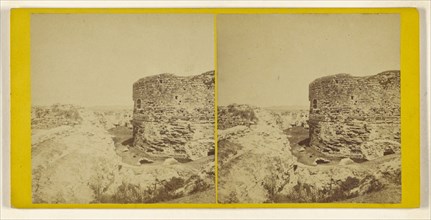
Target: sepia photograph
<point>172,112</point>
<point>122,108</point>
<point>309,108</point>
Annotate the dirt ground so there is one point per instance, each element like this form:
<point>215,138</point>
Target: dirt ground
<point>298,138</point>
<point>123,139</point>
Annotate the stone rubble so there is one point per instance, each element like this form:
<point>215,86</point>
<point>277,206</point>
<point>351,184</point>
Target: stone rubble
<point>256,166</point>
<point>78,164</point>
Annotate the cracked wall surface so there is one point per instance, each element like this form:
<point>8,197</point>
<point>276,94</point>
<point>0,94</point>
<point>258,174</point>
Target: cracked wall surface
<point>174,115</point>
<point>357,117</point>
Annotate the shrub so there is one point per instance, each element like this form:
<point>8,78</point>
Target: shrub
<point>276,180</point>
<point>46,117</point>
<point>127,193</point>
<point>164,190</point>
<point>373,184</point>
<point>234,115</point>
<point>199,184</point>
<point>160,191</point>
<point>342,190</point>
<point>227,149</point>
<point>232,198</point>
<point>302,192</point>
<point>336,191</point>
<point>394,177</point>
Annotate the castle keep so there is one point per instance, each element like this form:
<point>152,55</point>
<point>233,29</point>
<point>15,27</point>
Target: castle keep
<point>357,117</point>
<point>174,115</point>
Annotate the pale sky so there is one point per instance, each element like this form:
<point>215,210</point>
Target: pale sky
<point>93,60</point>
<point>269,60</point>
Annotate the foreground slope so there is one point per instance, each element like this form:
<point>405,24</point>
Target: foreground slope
<point>78,163</point>
<point>256,165</point>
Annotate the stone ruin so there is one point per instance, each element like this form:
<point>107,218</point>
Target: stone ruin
<point>47,117</point>
<point>356,117</point>
<point>173,115</point>
<point>235,115</point>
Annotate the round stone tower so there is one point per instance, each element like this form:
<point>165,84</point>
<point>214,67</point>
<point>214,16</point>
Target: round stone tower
<point>357,117</point>
<point>173,116</point>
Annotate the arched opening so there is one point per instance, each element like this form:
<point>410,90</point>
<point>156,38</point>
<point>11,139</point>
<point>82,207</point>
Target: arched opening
<point>314,103</point>
<point>138,104</point>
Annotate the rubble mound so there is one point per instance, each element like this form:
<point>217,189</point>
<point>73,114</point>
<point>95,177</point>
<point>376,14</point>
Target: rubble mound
<point>256,165</point>
<point>235,115</point>
<point>79,165</point>
<point>44,117</point>
<point>251,155</point>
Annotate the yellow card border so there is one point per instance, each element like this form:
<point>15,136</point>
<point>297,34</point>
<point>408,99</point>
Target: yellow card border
<point>21,104</point>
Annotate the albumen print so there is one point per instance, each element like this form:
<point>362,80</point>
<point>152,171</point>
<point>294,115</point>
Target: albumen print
<point>309,108</point>
<point>122,108</point>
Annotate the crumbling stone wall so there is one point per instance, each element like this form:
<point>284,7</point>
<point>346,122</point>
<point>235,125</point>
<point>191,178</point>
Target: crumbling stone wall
<point>357,117</point>
<point>235,115</point>
<point>174,115</point>
<point>46,117</point>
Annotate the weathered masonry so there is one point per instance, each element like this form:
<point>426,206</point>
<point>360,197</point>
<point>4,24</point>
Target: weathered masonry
<point>174,115</point>
<point>357,117</point>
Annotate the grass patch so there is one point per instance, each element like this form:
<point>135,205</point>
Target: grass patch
<point>159,191</point>
<point>234,115</point>
<point>336,191</point>
<point>226,150</point>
